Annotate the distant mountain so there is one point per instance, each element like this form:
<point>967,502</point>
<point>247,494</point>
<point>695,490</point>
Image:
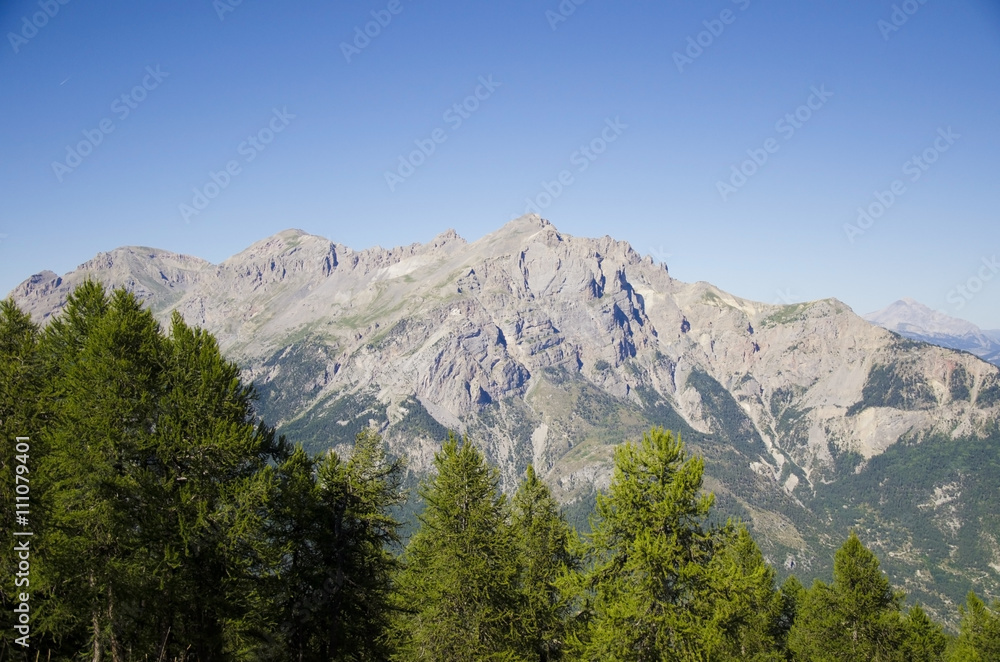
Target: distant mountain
<point>550,349</point>
<point>913,319</point>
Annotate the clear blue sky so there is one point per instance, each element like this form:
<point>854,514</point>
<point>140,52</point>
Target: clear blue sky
<point>681,128</point>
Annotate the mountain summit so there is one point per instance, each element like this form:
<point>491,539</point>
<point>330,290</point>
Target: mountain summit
<point>548,349</point>
<point>915,320</point>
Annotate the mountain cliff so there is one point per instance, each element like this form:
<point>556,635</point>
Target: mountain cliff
<point>549,349</point>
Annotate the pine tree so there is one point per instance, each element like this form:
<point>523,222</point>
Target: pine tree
<point>152,446</point>
<point>373,488</point>
<point>855,618</point>
<point>793,593</point>
<point>105,360</point>
<point>175,524</point>
<point>644,593</point>
<point>207,454</point>
<point>458,589</point>
<point>22,414</point>
<point>746,609</point>
<point>923,639</point>
<point>979,634</point>
<point>332,520</point>
<point>543,547</point>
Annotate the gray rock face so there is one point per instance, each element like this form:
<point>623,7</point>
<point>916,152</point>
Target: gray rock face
<point>549,349</point>
<point>463,327</point>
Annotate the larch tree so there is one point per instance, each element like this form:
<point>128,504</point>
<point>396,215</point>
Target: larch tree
<point>979,633</point>
<point>643,594</point>
<point>857,617</point>
<point>543,542</point>
<point>458,591</point>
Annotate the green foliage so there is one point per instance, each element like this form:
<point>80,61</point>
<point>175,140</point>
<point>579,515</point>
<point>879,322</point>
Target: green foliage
<point>458,590</point>
<point>960,384</point>
<point>787,314</point>
<point>418,421</point>
<point>895,491</point>
<point>894,386</point>
<point>149,434</point>
<point>660,583</point>
<point>989,392</point>
<point>747,620</point>
<point>169,522</point>
<point>543,542</point>
<point>20,416</point>
<point>331,585</point>
<point>979,637</point>
<point>855,618</point>
<point>300,364</point>
<point>923,639</point>
<point>336,420</point>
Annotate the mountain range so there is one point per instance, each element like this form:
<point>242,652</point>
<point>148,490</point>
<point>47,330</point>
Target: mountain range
<point>548,349</point>
<point>913,319</point>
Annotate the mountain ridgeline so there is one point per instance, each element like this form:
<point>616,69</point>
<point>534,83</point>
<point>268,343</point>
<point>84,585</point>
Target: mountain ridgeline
<point>914,320</point>
<point>549,350</point>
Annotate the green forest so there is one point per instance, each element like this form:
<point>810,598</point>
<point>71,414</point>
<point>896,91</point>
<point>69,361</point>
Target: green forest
<point>168,522</point>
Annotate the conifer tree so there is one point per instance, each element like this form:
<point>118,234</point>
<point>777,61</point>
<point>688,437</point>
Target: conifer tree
<point>792,593</point>
<point>459,586</point>
<point>923,639</point>
<point>746,609</point>
<point>649,553</point>
<point>855,618</point>
<point>543,546</point>
<point>979,634</point>
<point>152,444</point>
<point>105,360</point>
<point>22,414</point>
<point>332,520</point>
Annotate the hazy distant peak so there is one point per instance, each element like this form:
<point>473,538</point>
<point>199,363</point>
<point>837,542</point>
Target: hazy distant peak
<point>911,315</point>
<point>913,319</point>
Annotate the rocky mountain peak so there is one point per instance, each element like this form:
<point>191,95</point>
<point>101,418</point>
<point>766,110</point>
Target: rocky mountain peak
<point>913,319</point>
<point>548,349</point>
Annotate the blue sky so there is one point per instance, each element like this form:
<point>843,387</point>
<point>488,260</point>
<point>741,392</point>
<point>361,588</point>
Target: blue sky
<point>670,100</point>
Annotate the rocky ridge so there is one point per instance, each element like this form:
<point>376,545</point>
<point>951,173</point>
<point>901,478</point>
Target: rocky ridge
<point>548,349</point>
